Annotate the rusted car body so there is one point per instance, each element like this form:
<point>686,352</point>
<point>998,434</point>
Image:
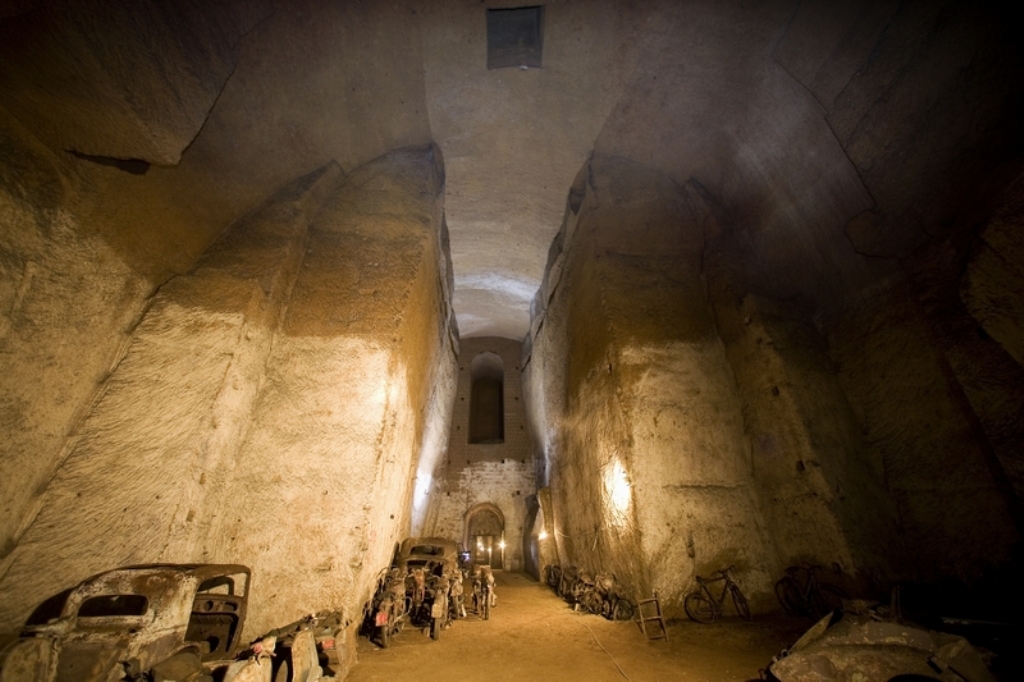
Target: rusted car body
<point>436,555</point>
<point>431,566</point>
<point>417,588</point>
<point>140,622</point>
<point>306,650</point>
<point>867,647</point>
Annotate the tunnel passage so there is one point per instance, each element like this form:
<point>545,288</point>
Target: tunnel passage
<point>485,535</point>
<point>776,319</point>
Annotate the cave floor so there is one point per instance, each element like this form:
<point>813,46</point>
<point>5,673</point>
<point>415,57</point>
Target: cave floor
<point>534,635</point>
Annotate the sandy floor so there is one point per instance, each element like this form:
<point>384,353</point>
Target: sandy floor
<point>533,635</point>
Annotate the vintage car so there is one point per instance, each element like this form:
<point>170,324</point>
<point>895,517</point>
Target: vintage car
<point>867,646</point>
<point>141,622</point>
<point>420,587</point>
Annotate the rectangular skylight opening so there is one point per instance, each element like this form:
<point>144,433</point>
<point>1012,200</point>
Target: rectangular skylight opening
<point>515,37</point>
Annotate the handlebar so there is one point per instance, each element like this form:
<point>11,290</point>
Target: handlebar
<point>722,574</point>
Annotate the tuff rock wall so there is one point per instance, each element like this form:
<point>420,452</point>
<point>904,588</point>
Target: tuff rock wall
<point>130,138</point>
<point>689,420</point>
<point>842,203</point>
<point>649,471</point>
<point>271,405</point>
<point>811,212</point>
<point>69,302</point>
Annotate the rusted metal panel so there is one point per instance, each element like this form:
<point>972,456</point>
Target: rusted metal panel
<point>867,647</point>
<point>28,660</point>
<point>129,619</point>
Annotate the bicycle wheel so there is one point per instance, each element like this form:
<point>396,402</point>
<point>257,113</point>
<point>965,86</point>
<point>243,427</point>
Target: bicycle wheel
<point>700,608</point>
<point>624,610</point>
<point>788,594</point>
<point>740,602</point>
<point>826,599</point>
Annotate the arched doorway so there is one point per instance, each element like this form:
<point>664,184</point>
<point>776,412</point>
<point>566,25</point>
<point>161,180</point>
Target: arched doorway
<point>485,535</point>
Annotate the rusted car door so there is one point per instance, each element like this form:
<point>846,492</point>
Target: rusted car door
<point>106,630</point>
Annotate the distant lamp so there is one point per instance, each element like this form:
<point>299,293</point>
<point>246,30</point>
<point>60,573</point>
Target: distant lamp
<point>543,535</point>
<point>501,544</point>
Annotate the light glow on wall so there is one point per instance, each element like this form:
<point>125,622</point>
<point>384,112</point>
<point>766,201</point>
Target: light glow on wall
<point>618,491</point>
<point>422,488</point>
<point>432,450</point>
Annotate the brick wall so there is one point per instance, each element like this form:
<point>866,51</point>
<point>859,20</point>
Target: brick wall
<point>501,474</point>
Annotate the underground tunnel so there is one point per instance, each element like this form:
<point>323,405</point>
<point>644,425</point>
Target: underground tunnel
<point>646,289</point>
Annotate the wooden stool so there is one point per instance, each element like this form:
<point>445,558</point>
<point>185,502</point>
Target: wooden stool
<point>655,617</point>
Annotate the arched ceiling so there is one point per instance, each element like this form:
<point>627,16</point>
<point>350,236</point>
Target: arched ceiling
<point>513,140</point>
<point>811,126</point>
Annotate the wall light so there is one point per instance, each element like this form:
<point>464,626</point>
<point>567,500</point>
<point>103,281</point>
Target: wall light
<point>618,490</point>
<point>422,487</point>
<point>543,535</point>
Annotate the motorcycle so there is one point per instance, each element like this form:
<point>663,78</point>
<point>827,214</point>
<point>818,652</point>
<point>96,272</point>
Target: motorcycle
<point>389,607</point>
<point>585,595</point>
<point>483,592</point>
<point>614,605</point>
<point>428,603</point>
<point>456,598</point>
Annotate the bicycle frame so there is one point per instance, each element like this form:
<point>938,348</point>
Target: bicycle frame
<point>806,579</point>
<point>718,603</point>
<point>802,592</point>
<point>704,607</point>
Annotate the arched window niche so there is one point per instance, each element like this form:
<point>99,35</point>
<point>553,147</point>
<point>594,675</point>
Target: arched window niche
<point>487,399</point>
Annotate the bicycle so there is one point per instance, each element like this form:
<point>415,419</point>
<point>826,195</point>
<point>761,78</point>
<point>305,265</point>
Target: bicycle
<point>702,606</point>
<point>801,593</point>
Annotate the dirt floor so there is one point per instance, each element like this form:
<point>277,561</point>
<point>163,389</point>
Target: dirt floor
<point>534,635</point>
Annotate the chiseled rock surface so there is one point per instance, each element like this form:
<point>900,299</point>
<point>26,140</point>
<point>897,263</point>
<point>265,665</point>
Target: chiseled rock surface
<point>131,81</point>
<point>68,302</point>
<point>324,475</point>
<point>736,428</point>
<point>131,487</point>
<point>650,473</point>
<point>953,516</point>
<point>993,286</point>
<point>270,407</point>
